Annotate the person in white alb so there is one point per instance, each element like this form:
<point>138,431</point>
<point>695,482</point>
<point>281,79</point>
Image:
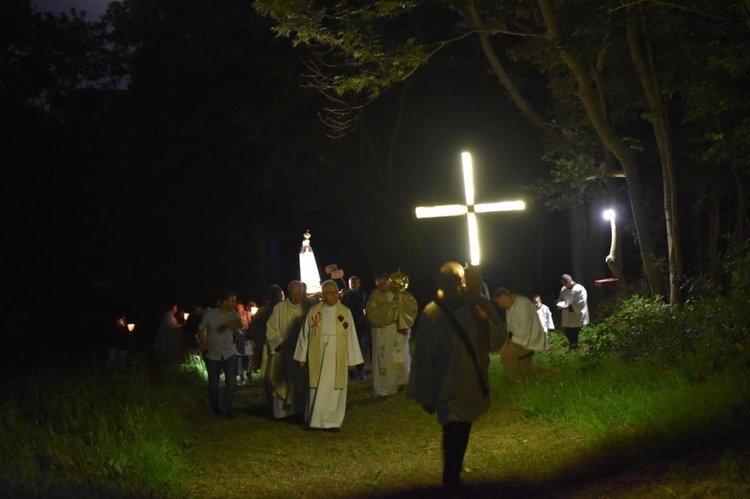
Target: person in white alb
<point>545,316</point>
<point>282,375</point>
<point>329,348</point>
<point>573,302</point>
<point>391,314</point>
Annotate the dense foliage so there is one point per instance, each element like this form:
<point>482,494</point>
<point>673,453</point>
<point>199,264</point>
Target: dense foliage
<point>707,334</point>
<point>647,91</point>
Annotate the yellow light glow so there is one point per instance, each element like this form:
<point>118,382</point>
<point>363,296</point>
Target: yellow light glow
<point>185,315</point>
<point>469,209</point>
<point>131,327</point>
<point>501,206</point>
<point>468,177</point>
<point>471,218</point>
<point>448,210</point>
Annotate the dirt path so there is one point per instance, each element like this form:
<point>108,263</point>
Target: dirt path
<point>511,456</point>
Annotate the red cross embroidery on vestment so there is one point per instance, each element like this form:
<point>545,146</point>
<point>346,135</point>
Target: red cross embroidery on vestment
<point>316,320</point>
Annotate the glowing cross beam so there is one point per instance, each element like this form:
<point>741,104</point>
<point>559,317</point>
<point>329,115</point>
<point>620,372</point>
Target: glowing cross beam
<point>469,209</point>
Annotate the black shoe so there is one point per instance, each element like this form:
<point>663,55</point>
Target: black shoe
<point>333,430</point>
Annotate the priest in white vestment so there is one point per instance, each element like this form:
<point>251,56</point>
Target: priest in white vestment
<point>283,376</point>
<point>329,348</point>
<point>391,315</point>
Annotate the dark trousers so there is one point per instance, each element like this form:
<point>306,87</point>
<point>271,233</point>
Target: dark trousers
<point>243,365</point>
<point>455,440</point>
<point>572,334</point>
<point>224,405</point>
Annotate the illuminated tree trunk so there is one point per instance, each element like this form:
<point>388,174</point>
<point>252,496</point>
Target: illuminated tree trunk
<point>643,63</point>
<point>613,263</point>
<point>589,99</point>
<point>592,103</point>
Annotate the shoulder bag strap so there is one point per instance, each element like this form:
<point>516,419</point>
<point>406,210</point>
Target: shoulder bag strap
<point>467,343</point>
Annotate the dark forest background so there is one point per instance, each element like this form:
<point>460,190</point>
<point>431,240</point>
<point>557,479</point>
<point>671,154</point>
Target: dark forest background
<point>171,150</point>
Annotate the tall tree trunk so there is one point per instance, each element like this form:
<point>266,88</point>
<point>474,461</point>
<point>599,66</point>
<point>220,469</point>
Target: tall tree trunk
<point>714,238</point>
<point>592,105</point>
<point>644,68</point>
<point>576,218</point>
<point>589,99</point>
<point>613,262</point>
<point>584,267</point>
<point>504,78</point>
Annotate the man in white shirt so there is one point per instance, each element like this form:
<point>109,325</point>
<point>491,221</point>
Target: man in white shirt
<point>525,337</point>
<point>216,335</point>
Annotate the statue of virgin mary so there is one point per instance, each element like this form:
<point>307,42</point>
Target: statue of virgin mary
<point>308,268</point>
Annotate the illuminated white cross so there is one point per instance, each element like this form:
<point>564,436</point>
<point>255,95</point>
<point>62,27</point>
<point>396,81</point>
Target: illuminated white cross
<point>469,209</point>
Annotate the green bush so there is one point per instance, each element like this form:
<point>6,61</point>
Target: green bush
<point>635,331</point>
<point>707,334</point>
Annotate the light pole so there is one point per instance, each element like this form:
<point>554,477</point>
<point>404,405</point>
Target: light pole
<point>611,259</point>
<point>609,214</point>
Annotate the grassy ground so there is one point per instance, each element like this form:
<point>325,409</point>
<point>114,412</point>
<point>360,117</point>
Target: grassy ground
<point>601,429</point>
<point>389,447</point>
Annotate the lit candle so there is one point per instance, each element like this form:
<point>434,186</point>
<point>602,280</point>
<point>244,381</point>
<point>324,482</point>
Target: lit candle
<point>185,315</point>
<point>131,327</point>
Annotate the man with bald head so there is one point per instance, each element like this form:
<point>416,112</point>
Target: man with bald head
<point>451,357</point>
<point>525,337</point>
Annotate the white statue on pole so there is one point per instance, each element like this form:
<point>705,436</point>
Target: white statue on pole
<point>308,268</point>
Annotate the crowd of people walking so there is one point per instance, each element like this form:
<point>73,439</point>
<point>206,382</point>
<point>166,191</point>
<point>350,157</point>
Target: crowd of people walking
<point>306,349</point>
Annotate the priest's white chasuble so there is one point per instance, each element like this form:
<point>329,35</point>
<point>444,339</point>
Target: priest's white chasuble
<point>279,370</point>
<point>391,360</point>
<point>328,345</point>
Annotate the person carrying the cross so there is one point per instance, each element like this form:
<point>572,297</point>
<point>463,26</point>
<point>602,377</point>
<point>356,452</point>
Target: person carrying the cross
<point>449,375</point>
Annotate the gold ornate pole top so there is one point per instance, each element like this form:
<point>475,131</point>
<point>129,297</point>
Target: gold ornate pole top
<point>398,281</point>
<point>307,234</point>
